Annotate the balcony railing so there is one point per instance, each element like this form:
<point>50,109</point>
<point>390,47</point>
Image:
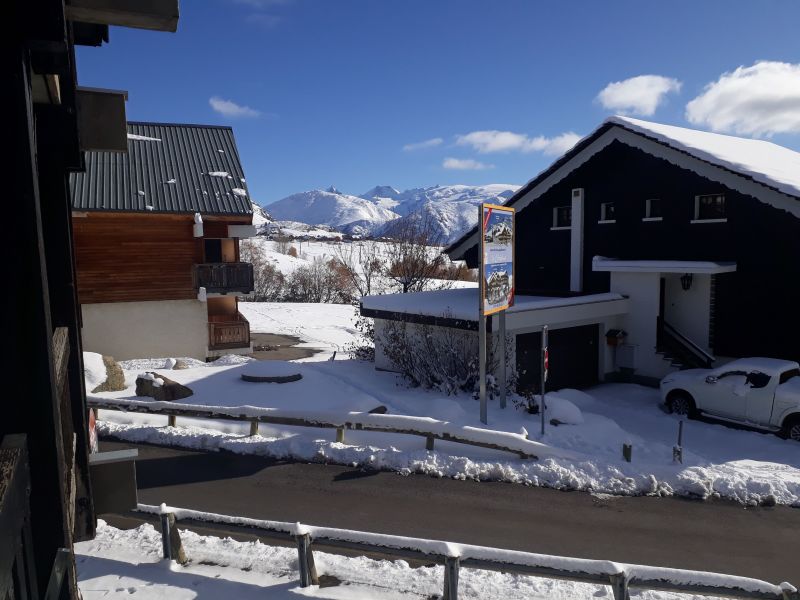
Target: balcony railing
<point>228,332</point>
<point>224,278</point>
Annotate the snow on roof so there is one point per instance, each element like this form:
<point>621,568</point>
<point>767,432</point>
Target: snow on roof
<point>463,303</point>
<point>770,366</point>
<point>601,263</point>
<point>765,162</point>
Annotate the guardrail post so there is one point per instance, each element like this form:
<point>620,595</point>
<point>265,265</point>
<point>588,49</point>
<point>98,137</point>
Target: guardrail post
<point>305,560</point>
<point>172,420</point>
<point>171,543</point>
<point>165,545</point>
<point>619,586</point>
<point>451,567</point>
<point>340,435</point>
<point>429,443</point>
<point>253,427</point>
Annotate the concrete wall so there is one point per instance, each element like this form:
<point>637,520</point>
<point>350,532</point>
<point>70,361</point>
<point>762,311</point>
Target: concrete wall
<point>163,328</point>
<point>688,310</point>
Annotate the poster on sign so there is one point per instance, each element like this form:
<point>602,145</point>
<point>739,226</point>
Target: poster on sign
<point>497,258</point>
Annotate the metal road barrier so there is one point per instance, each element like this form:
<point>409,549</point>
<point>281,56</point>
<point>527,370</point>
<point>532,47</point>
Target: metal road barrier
<point>619,576</point>
<point>430,429</point>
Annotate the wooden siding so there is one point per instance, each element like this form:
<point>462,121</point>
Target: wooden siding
<point>126,257</point>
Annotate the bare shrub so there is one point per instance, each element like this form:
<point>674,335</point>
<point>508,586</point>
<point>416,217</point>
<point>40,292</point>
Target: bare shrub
<point>413,255</point>
<point>321,281</point>
<point>291,251</point>
<point>441,358</point>
<point>282,244</point>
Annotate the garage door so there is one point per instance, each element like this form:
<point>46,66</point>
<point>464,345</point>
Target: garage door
<point>573,358</point>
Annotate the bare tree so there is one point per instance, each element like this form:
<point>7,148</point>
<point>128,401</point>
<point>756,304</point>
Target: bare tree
<point>360,263</point>
<point>268,282</point>
<point>282,244</point>
<point>414,254</point>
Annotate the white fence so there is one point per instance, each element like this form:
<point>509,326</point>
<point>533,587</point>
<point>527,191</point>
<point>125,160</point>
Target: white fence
<point>619,576</point>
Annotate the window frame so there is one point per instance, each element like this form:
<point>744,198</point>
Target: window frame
<point>604,220</point>
<point>648,211</point>
<point>556,226</point>
<point>698,219</point>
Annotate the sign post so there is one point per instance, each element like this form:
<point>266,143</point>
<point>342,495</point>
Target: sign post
<point>545,368</point>
<point>496,286</point>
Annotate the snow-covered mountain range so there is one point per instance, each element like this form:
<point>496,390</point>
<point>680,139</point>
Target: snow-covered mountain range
<point>451,208</point>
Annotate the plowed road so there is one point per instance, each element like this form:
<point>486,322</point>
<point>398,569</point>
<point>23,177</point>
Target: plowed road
<point>713,536</point>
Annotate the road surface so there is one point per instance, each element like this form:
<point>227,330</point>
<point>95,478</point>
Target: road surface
<point>712,536</point>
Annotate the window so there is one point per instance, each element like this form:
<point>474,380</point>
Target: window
<point>562,217</point>
<point>787,375</point>
<point>652,210</point>
<point>608,212</point>
<point>710,208</point>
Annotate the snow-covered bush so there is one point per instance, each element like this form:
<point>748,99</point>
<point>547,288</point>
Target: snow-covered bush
<point>364,347</point>
<point>442,358</point>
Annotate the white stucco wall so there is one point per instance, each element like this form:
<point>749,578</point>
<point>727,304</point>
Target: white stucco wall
<point>688,310</point>
<point>640,322</point>
<point>128,330</point>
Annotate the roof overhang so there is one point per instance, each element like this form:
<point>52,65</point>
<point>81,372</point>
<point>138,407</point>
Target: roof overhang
<point>158,15</point>
<point>608,265</point>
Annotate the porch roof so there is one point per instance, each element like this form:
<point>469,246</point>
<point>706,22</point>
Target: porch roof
<point>601,263</point>
<point>462,304</point>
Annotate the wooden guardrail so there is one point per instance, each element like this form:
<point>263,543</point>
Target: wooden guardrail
<point>430,429</point>
<point>620,577</point>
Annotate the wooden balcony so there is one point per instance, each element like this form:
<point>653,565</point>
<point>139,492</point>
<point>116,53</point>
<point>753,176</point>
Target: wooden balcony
<point>224,277</point>
<point>228,332</point>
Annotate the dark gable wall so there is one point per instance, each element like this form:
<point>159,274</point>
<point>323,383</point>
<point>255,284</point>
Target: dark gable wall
<point>757,307</point>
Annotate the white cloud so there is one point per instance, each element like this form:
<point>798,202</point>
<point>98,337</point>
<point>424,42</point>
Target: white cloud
<point>431,143</point>
<point>229,108</point>
<point>465,164</point>
<point>760,100</point>
<point>505,141</point>
<point>640,95</point>
<point>264,20</point>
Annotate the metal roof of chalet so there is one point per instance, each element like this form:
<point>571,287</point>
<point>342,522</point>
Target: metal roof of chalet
<point>169,168</point>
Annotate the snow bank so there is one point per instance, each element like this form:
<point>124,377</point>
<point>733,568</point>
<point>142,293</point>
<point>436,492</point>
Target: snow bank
<point>94,370</point>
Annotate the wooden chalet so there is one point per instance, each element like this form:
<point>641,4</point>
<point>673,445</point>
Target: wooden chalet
<point>157,235</point>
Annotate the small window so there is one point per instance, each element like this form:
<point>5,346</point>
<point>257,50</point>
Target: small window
<point>608,212</point>
<point>710,208</point>
<point>652,209</point>
<point>562,217</point>
<point>787,375</point>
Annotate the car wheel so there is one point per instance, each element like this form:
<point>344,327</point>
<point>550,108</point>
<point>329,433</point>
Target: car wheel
<point>791,429</point>
<point>681,403</point>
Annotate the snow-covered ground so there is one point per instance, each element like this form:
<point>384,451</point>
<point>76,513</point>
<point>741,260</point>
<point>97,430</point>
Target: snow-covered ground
<point>746,466</point>
<point>121,563</point>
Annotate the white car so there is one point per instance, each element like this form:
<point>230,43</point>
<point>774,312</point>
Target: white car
<point>757,392</point>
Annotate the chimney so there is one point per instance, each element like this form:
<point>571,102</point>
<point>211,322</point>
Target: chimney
<point>576,242</point>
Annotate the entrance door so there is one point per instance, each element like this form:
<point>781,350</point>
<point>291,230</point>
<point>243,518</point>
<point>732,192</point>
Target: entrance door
<point>573,358</point>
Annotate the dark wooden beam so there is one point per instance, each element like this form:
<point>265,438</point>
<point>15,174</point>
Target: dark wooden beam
<point>159,15</point>
<point>101,120</point>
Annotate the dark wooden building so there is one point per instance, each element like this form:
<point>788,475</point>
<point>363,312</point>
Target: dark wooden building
<point>699,231</point>
<point>46,501</point>
<point>157,233</point>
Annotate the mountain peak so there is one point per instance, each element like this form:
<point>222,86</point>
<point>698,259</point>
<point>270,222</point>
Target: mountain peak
<point>381,191</point>
<point>332,190</point>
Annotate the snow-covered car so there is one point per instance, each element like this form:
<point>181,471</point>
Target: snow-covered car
<point>757,392</point>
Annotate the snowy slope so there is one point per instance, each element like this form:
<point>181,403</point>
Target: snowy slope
<point>452,207</point>
<point>349,214</point>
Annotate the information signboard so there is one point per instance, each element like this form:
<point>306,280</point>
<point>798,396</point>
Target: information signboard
<point>497,258</point>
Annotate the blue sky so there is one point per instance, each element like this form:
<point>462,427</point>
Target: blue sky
<point>345,92</point>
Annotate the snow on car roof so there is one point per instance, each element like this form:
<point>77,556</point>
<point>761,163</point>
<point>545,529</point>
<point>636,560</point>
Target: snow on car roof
<point>770,366</point>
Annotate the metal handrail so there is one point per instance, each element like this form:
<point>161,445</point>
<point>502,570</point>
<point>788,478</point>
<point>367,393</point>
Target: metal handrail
<point>684,341</point>
<point>620,576</point>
